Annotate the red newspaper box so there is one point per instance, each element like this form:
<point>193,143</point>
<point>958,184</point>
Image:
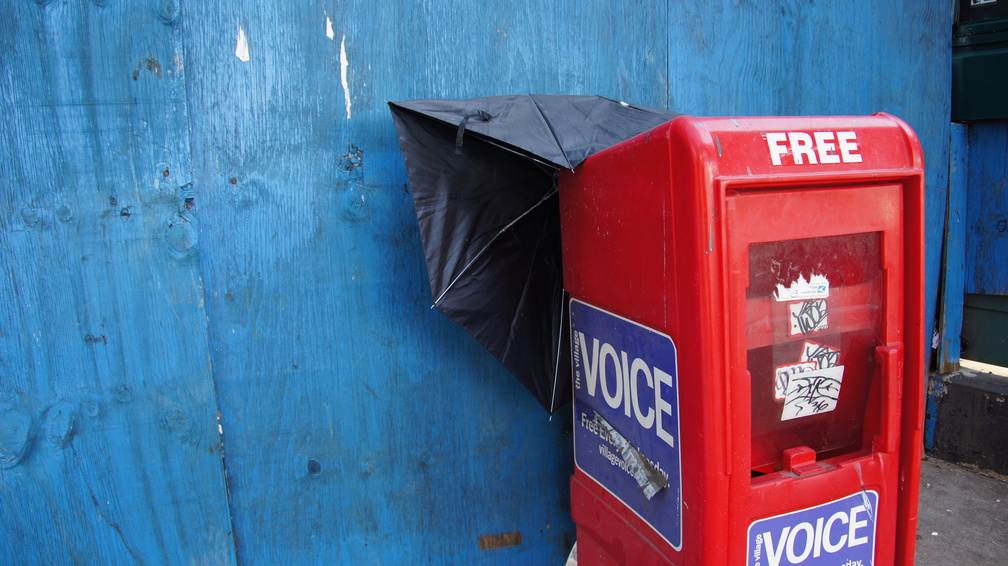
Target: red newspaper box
<point>747,343</point>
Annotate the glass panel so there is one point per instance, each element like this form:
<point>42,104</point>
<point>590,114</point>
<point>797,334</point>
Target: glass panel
<point>813,312</point>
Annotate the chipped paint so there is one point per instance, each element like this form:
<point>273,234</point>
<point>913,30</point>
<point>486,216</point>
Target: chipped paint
<point>328,28</point>
<point>344,65</point>
<point>242,50</point>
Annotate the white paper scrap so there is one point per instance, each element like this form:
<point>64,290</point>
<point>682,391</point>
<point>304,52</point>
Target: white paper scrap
<point>821,354</point>
<point>812,393</point>
<point>809,316</point>
<point>783,375</point>
<point>817,287</point>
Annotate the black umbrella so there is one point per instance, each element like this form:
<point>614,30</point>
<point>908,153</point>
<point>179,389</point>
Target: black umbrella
<point>483,174</point>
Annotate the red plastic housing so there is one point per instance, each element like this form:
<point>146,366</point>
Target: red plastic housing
<point>719,233</point>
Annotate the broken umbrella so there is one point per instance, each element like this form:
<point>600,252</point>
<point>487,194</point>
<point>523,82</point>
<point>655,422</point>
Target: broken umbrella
<point>483,173</point>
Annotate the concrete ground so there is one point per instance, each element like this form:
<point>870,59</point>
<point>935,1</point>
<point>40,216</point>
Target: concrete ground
<point>963,517</point>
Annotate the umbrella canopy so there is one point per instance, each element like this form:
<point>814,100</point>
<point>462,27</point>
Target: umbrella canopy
<point>483,174</point>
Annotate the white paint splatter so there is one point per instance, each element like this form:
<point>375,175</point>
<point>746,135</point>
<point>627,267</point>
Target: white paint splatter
<point>328,28</point>
<point>344,65</point>
<point>242,50</point>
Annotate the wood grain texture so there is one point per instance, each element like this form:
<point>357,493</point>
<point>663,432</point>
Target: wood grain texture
<point>987,210</point>
<point>950,313</point>
<point>109,448</point>
<point>276,271</point>
<point>360,424</point>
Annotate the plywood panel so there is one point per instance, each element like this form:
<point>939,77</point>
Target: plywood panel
<point>950,311</point>
<point>211,193</point>
<point>360,425</point>
<point>109,448</point>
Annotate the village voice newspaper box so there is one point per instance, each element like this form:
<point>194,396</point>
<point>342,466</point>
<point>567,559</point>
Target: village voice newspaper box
<point>746,306</point>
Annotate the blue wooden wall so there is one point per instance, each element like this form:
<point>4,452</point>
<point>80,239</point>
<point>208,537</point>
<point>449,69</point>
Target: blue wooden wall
<point>109,448</point>
<point>976,243</point>
<point>216,344</point>
<point>986,218</point>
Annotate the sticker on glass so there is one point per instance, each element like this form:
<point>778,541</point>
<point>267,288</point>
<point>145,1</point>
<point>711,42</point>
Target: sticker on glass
<point>782,375</point>
<point>822,355</point>
<point>812,392</point>
<point>809,316</point>
<point>817,287</point>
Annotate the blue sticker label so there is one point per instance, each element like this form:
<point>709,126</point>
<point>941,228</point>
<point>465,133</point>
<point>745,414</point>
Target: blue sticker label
<point>838,533</point>
<point>626,374</point>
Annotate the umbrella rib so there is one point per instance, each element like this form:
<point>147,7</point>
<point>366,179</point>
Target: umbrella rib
<point>556,366</point>
<point>537,159</point>
<point>488,244</point>
<point>552,132</point>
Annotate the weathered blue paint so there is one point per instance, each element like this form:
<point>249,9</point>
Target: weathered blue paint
<point>936,389</point>
<point>318,295</point>
<point>953,267</point>
<point>987,211</point>
<point>109,448</point>
<point>359,425</point>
